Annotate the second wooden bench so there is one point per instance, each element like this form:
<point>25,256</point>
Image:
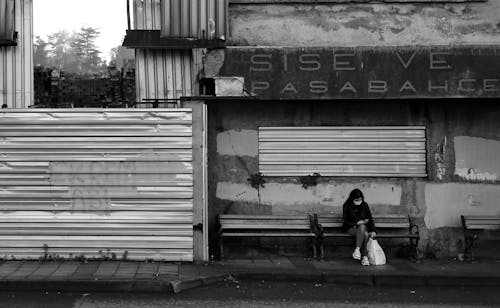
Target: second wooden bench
<point>300,226</point>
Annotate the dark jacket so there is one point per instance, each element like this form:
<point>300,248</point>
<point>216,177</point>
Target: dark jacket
<point>353,213</point>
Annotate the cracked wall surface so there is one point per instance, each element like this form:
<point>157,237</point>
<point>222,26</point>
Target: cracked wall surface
<point>463,136</point>
<point>365,24</point>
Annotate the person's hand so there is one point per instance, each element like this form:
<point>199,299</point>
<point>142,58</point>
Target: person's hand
<point>361,222</point>
<point>372,234</point>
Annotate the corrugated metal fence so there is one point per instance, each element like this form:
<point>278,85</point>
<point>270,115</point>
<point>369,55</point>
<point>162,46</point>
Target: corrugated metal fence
<point>16,62</point>
<point>343,151</point>
<point>97,183</point>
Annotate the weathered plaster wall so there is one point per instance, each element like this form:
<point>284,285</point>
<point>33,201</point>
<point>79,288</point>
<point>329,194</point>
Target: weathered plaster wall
<point>436,202</point>
<point>354,24</point>
<point>444,201</point>
<point>477,159</point>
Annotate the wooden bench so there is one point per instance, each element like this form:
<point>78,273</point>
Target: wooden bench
<point>266,226</point>
<point>387,226</point>
<point>474,226</point>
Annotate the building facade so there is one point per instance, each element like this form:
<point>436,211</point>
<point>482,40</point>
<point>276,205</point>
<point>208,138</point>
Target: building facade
<point>397,98</point>
<point>16,53</point>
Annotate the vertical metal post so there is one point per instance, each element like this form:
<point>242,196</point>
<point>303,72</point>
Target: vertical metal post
<point>128,14</point>
<point>206,256</point>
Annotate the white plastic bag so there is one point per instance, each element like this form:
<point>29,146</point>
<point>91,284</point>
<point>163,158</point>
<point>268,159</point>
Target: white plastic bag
<point>376,254</point>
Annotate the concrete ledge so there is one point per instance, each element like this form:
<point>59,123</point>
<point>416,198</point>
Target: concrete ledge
<point>209,280</point>
<point>185,284</point>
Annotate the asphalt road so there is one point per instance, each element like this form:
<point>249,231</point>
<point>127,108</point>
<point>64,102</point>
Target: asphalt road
<point>266,294</point>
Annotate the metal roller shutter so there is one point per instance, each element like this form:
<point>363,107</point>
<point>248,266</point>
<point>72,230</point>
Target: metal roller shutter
<point>97,183</point>
<point>343,151</point>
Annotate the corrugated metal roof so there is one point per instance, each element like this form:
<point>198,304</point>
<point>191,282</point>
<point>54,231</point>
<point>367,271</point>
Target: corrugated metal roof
<point>343,151</point>
<point>81,182</point>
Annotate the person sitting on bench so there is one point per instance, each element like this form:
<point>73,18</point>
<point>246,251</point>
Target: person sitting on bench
<point>358,222</point>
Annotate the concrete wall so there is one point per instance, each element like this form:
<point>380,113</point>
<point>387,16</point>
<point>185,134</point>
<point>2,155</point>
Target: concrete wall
<point>357,24</point>
<point>436,202</point>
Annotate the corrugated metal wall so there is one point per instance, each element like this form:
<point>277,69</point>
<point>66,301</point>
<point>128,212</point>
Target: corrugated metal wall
<point>163,74</point>
<point>7,19</point>
<point>94,183</point>
<point>16,63</point>
<point>160,74</point>
<point>147,14</point>
<point>199,19</point>
<point>343,151</point>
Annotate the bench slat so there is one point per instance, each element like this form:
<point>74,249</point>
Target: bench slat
<point>243,234</point>
<point>482,222</point>
<point>262,217</point>
<point>377,225</point>
<point>378,235</point>
<point>264,226</point>
<point>252,222</point>
<point>472,217</point>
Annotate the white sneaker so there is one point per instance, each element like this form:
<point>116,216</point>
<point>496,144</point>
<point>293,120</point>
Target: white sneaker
<point>365,261</point>
<point>356,255</point>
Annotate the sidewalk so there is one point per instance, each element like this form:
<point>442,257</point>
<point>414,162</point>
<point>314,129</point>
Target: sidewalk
<point>118,276</point>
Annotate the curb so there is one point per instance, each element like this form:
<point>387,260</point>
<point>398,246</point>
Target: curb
<point>177,286</point>
<point>86,286</point>
<point>456,280</point>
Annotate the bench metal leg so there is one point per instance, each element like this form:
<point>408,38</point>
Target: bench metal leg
<point>314,244</point>
<point>221,247</point>
<point>414,249</point>
<point>469,242</point>
<point>321,249</point>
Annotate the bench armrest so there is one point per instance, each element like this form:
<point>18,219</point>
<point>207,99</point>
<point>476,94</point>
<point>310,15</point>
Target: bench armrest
<point>319,231</point>
<point>414,229</point>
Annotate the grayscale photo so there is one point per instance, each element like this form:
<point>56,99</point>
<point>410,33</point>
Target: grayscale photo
<point>249,153</point>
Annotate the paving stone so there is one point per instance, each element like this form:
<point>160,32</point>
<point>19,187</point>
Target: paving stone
<point>147,271</point>
<point>44,271</point>
<point>9,267</point>
<point>168,269</point>
<point>126,270</point>
<point>26,269</point>
<point>86,270</point>
<point>66,269</point>
<point>189,271</point>
<point>107,269</point>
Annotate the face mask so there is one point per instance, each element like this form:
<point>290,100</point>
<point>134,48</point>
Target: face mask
<point>358,202</point>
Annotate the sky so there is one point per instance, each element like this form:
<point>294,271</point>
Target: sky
<point>110,16</point>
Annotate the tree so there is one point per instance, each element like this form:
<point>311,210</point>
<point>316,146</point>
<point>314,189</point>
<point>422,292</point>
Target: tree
<point>121,56</point>
<point>59,49</point>
<point>40,54</point>
<point>85,50</point>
